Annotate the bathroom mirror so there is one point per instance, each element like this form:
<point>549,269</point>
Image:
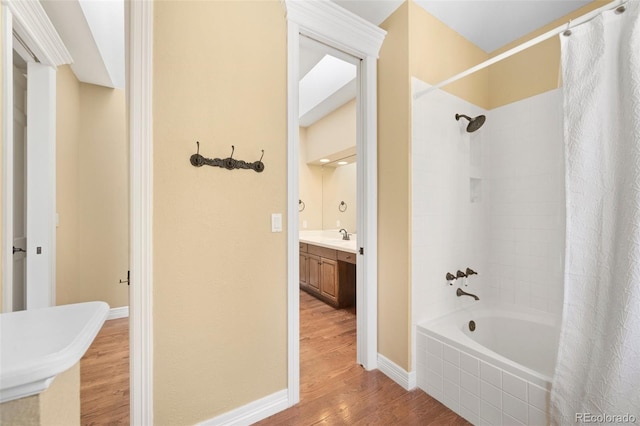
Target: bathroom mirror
<point>339,184</point>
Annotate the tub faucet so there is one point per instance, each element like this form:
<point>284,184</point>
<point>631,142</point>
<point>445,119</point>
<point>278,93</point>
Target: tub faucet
<point>345,234</point>
<point>461,292</point>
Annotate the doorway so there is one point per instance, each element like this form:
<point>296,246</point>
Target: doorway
<point>327,216</point>
<point>332,26</point>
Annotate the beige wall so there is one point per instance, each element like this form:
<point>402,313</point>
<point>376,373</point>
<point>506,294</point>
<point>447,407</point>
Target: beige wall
<point>394,132</point>
<point>309,188</point>
<point>92,192</point>
<point>334,135</point>
<point>220,274</point>
<point>533,71</point>
<point>437,53</point>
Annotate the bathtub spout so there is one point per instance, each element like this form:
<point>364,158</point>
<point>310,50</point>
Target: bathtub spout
<point>461,292</point>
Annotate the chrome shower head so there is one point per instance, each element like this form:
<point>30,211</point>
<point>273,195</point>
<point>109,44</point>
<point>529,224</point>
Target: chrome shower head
<point>474,123</point>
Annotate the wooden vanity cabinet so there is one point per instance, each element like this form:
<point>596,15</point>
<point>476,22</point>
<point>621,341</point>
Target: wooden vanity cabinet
<point>328,274</point>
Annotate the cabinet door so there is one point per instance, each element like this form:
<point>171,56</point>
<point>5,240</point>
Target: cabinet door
<point>329,279</point>
<point>304,261</point>
<point>314,272</point>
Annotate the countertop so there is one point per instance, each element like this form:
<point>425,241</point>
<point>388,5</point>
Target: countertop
<point>330,239</point>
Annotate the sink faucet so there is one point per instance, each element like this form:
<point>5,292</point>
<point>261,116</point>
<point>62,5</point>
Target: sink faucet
<point>461,292</point>
<point>345,234</point>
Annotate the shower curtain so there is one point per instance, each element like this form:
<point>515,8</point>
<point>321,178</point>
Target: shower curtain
<point>598,366</point>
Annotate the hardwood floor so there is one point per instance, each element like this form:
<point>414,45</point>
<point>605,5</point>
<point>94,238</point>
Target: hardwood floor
<point>334,390</point>
<point>104,377</point>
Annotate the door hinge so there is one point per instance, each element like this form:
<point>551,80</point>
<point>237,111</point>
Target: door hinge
<point>361,250</point>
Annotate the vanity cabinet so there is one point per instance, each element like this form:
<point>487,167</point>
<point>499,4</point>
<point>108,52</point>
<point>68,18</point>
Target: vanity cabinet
<point>328,274</point>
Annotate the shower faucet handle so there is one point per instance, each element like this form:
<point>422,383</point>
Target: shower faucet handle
<point>460,274</point>
<point>451,278</point>
<point>470,271</point>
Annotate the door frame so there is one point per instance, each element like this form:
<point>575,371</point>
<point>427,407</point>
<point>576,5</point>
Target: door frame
<point>338,28</point>
<point>139,68</point>
<point>31,23</point>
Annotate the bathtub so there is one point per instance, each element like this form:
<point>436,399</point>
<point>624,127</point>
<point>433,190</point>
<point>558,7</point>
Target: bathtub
<point>498,374</point>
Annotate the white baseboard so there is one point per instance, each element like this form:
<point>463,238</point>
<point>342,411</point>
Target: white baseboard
<point>252,412</point>
<point>396,373</point>
<point>121,312</point>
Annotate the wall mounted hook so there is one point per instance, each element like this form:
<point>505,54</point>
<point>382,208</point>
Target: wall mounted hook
<point>228,163</point>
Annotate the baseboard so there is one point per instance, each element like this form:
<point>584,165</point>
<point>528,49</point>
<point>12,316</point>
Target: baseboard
<point>121,312</point>
<point>396,373</point>
<point>252,412</point>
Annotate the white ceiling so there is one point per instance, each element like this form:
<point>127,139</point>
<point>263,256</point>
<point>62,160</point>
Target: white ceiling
<point>93,32</point>
<point>492,24</point>
<point>489,24</point>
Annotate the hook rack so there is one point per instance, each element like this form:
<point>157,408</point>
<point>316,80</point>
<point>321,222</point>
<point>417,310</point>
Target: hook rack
<point>228,163</point>
<point>342,206</point>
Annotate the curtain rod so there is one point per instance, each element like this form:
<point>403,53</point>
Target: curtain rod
<point>519,48</point>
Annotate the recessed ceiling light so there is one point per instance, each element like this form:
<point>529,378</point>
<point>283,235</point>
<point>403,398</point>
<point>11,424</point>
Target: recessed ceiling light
<point>325,160</point>
<point>342,163</point>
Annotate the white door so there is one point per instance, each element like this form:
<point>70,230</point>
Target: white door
<point>19,187</point>
<point>41,185</point>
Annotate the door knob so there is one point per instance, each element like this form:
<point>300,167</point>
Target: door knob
<point>18,250</point>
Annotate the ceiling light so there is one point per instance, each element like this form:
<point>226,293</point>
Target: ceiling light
<point>342,163</point>
<point>325,160</point>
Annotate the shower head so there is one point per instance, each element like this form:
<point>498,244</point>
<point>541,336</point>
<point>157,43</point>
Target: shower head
<point>474,123</point>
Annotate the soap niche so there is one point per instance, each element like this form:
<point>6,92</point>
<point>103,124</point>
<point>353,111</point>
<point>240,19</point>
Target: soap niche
<point>475,190</point>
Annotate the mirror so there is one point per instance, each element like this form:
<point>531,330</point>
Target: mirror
<point>339,182</point>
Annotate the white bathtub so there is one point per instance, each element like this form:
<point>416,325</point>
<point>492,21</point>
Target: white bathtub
<point>500,373</point>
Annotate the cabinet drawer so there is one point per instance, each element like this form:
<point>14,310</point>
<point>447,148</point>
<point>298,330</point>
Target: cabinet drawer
<point>347,257</point>
<point>322,252</point>
<point>303,247</point>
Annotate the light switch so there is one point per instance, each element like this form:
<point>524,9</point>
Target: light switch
<point>304,224</point>
<point>276,222</point>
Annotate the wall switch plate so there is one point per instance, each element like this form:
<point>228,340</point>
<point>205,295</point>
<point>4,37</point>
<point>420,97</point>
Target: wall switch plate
<point>304,224</point>
<point>338,223</point>
<point>276,222</point>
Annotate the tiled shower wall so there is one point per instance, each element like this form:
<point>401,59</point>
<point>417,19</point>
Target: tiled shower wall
<point>527,203</point>
<point>448,231</point>
<point>492,200</point>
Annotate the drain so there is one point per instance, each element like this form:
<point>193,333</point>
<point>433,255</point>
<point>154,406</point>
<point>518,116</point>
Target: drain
<point>472,325</point>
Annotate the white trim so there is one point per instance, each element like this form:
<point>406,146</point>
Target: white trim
<point>34,27</point>
<point>519,48</point>
<point>293,249</point>
<point>396,373</point>
<point>139,15</point>
<point>115,313</point>
<point>367,227</point>
<point>253,412</point>
<point>332,25</point>
<point>7,160</point>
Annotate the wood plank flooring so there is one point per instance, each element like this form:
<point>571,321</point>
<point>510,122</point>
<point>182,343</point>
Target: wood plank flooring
<point>104,377</point>
<point>334,390</point>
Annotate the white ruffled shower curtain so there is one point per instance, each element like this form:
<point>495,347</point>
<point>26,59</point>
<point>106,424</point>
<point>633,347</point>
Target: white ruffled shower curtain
<point>598,368</point>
